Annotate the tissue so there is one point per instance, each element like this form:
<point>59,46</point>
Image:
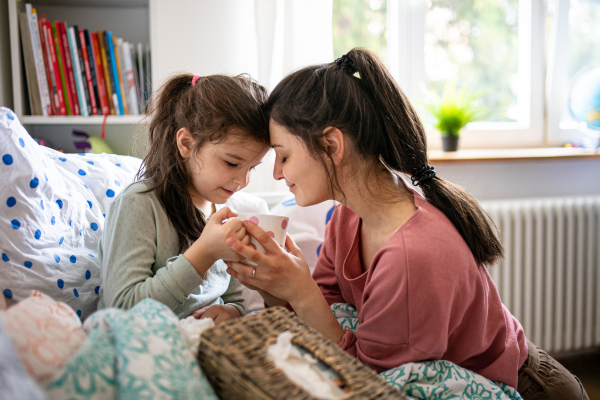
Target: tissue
<point>302,369</point>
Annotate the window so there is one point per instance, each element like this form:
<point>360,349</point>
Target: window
<point>360,23</point>
<point>496,47</point>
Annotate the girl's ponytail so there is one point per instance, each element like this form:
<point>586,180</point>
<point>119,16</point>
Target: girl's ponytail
<point>358,95</point>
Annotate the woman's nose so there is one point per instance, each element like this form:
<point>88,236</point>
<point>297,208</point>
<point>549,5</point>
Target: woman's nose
<point>278,170</point>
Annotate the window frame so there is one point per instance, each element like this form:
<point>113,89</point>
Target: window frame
<point>406,32</point>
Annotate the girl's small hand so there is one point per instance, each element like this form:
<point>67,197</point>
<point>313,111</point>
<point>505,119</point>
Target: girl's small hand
<point>219,313</point>
<point>210,246</point>
<point>285,276</point>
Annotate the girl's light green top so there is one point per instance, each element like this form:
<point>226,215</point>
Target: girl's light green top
<point>139,258</point>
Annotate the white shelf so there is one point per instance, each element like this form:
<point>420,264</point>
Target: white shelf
<point>78,120</point>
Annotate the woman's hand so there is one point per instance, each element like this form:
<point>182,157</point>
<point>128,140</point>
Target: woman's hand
<point>285,276</point>
<point>210,246</point>
<point>219,313</point>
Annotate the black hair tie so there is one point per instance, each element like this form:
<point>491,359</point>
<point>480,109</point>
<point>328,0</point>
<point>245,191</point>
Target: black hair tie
<point>422,175</point>
<point>346,63</point>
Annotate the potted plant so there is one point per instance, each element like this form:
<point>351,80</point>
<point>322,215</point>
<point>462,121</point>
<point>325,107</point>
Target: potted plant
<point>451,112</point>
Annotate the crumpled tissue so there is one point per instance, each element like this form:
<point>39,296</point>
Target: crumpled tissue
<point>302,369</point>
<point>192,328</point>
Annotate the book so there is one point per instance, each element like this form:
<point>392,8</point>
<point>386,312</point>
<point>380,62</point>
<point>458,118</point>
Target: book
<point>136,79</point>
<point>38,56</point>
<point>61,67</point>
<point>52,92</point>
<point>140,56</point>
<point>68,64</point>
<point>118,47</point>
<point>130,87</point>
<point>33,89</point>
<point>92,38</point>
<point>110,57</point>
<point>83,105</point>
<point>107,78</point>
<point>148,73</point>
<point>87,68</point>
<point>51,46</point>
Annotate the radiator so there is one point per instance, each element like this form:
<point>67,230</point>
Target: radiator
<point>550,276</point>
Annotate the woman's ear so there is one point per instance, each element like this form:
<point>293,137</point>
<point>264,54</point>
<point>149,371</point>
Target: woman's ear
<point>333,141</point>
<point>185,143</point>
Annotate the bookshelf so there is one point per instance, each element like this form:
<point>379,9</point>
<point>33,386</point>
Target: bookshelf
<point>128,19</point>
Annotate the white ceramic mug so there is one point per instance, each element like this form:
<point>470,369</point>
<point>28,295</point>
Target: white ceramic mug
<point>275,225</point>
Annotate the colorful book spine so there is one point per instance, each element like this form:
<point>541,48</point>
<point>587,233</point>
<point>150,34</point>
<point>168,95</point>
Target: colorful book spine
<point>38,56</point>
<point>54,103</point>
<point>130,80</point>
<point>107,78</point>
<point>87,67</point>
<point>92,42</point>
<point>117,46</point>
<point>61,67</point>
<point>83,108</point>
<point>52,47</point>
<point>110,57</point>
<point>68,63</point>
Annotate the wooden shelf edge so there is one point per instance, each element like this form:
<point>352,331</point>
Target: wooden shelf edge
<point>550,153</point>
<point>78,120</point>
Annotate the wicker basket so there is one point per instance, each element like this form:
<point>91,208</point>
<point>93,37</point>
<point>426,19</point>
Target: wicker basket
<point>234,358</point>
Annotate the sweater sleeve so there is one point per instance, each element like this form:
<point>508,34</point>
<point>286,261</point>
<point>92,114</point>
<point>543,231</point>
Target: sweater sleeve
<point>233,296</point>
<point>128,251</point>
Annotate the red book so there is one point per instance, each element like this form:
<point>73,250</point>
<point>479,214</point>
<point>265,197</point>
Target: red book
<point>67,61</point>
<point>88,72</point>
<point>100,75</point>
<point>54,103</point>
<point>61,99</point>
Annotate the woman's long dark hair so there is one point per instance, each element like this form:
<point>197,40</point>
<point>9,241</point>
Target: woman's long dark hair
<point>208,109</point>
<point>358,95</point>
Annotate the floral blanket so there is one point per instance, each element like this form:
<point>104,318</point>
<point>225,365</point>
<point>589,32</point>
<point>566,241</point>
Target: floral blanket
<point>433,379</point>
<point>135,354</point>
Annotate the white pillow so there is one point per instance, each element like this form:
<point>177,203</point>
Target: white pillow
<point>51,213</point>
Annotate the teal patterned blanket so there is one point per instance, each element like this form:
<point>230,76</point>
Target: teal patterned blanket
<point>433,379</point>
<point>135,354</point>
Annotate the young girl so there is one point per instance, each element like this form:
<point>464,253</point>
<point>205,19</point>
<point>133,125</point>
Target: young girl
<point>414,267</point>
<point>206,135</point>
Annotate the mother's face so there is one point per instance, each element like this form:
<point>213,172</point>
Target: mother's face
<point>305,176</point>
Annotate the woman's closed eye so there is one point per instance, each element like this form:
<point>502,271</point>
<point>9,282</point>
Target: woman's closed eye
<point>232,165</point>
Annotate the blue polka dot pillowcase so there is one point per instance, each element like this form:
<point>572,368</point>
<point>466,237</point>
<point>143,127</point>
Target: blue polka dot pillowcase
<point>52,208</point>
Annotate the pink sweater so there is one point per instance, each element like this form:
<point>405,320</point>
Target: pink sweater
<point>424,298</point>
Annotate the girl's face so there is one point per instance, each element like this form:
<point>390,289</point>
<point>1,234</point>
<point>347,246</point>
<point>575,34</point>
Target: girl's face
<point>305,176</point>
<point>218,170</point>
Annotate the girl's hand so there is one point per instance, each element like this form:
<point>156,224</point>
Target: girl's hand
<point>285,276</point>
<point>210,246</point>
<point>219,313</point>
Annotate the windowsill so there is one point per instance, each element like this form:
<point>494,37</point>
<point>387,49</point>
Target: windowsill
<point>550,153</point>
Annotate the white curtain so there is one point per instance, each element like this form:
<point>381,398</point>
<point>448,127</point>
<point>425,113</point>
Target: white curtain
<point>265,38</point>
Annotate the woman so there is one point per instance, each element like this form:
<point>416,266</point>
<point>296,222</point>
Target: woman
<point>413,267</point>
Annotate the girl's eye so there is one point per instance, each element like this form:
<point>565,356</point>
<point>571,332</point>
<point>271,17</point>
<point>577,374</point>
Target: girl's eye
<point>283,159</point>
<point>231,164</point>
<point>252,168</point>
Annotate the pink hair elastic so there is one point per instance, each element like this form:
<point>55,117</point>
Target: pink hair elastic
<point>194,79</point>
